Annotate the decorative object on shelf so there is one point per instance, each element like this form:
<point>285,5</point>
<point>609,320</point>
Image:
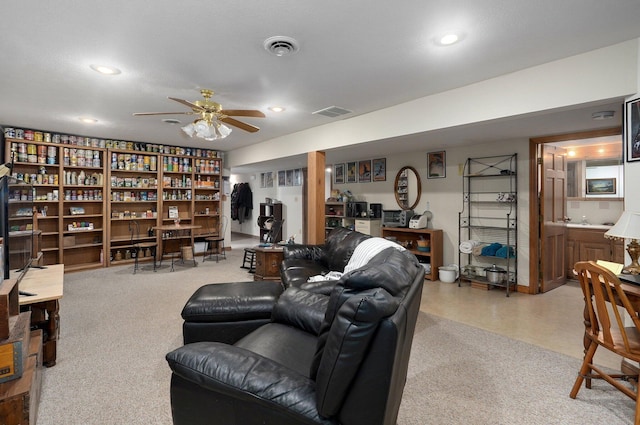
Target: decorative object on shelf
<point>173,212</point>
<point>76,210</point>
<point>628,227</point>
<point>211,123</point>
<point>436,165</point>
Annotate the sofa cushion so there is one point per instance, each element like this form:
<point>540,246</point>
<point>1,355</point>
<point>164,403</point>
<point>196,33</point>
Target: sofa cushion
<point>301,309</point>
<point>348,340</point>
<point>296,271</point>
<point>391,270</point>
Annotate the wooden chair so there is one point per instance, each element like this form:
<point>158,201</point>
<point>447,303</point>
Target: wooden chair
<point>605,327</point>
<point>139,245</point>
<point>215,244</point>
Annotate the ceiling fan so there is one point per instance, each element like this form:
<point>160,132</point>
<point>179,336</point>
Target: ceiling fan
<point>211,115</point>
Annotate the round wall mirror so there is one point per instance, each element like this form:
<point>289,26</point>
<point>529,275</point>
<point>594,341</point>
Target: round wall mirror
<point>407,188</point>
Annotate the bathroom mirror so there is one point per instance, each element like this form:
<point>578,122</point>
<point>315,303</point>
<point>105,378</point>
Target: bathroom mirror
<point>581,172</point>
<point>407,188</point>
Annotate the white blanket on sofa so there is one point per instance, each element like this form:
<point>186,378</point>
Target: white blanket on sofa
<point>368,249</point>
<point>362,253</point>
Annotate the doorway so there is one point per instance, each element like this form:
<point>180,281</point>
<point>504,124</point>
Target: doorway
<point>547,212</point>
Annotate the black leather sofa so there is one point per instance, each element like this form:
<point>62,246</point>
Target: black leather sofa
<point>338,359</point>
<point>303,261</point>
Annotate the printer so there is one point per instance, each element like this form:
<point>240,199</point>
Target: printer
<point>420,221</point>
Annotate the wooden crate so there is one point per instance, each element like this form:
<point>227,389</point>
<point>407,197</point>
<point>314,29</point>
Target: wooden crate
<point>19,398</point>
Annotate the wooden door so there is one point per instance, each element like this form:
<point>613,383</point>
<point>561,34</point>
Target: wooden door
<point>553,211</point>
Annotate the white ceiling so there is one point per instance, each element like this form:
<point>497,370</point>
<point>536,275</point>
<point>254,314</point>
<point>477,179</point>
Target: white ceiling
<point>359,55</point>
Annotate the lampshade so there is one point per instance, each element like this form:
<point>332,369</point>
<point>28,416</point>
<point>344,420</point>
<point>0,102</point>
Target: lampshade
<point>628,226</point>
<point>207,130</point>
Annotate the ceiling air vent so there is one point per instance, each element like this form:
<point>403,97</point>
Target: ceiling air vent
<point>333,111</point>
<point>281,45</point>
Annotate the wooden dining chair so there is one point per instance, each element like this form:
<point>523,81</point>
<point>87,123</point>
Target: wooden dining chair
<point>605,326</point>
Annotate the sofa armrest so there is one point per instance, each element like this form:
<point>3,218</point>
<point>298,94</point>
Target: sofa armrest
<point>306,252</point>
<point>247,376</point>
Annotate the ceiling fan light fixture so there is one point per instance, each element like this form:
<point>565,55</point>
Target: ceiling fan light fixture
<point>207,131</point>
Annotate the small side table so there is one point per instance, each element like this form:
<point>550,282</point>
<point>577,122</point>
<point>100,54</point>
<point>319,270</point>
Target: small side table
<point>268,261</point>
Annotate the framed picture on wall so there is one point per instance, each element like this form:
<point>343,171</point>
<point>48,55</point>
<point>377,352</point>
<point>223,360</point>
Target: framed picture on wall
<point>338,173</point>
<point>364,171</point>
<point>282,178</point>
<point>379,169</point>
<point>632,129</point>
<point>603,186</point>
<point>352,172</point>
<point>436,165</point>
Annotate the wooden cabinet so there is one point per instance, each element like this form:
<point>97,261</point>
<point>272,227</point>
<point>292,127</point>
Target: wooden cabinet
<point>87,194</point>
<point>410,237</point>
<point>584,244</point>
<point>268,261</point>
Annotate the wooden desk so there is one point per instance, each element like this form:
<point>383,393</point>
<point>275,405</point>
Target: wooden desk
<point>47,285</point>
<point>179,232</point>
<point>268,261</point>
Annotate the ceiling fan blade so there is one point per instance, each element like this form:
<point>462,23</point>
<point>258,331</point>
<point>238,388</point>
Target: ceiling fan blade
<point>241,125</point>
<point>163,113</point>
<point>242,113</point>
<point>187,103</point>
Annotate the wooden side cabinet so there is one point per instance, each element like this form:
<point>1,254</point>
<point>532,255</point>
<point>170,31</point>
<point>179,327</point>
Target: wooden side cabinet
<point>410,237</point>
<point>268,261</point>
<point>584,244</point>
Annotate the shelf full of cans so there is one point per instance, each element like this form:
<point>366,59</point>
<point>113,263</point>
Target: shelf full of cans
<point>30,135</point>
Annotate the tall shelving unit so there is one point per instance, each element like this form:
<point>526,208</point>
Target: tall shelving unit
<point>489,216</point>
<point>86,195</point>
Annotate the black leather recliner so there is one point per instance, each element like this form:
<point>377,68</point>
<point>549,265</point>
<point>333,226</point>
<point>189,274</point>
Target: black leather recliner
<point>338,359</point>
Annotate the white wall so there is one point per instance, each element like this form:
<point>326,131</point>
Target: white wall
<point>571,81</point>
<point>291,197</point>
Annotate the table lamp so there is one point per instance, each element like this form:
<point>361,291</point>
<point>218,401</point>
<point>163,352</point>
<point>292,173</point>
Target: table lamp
<point>628,226</point>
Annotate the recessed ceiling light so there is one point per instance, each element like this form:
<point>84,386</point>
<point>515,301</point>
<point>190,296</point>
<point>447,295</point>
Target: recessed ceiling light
<point>87,120</point>
<point>572,153</point>
<point>105,70</point>
<point>276,108</point>
<point>448,39</point>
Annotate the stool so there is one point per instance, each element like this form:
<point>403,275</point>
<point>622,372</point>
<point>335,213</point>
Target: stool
<point>250,257</point>
<point>226,312</point>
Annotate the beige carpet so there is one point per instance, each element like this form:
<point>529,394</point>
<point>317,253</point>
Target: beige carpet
<point>117,327</point>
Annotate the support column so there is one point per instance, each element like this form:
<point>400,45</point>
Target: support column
<point>316,198</point>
